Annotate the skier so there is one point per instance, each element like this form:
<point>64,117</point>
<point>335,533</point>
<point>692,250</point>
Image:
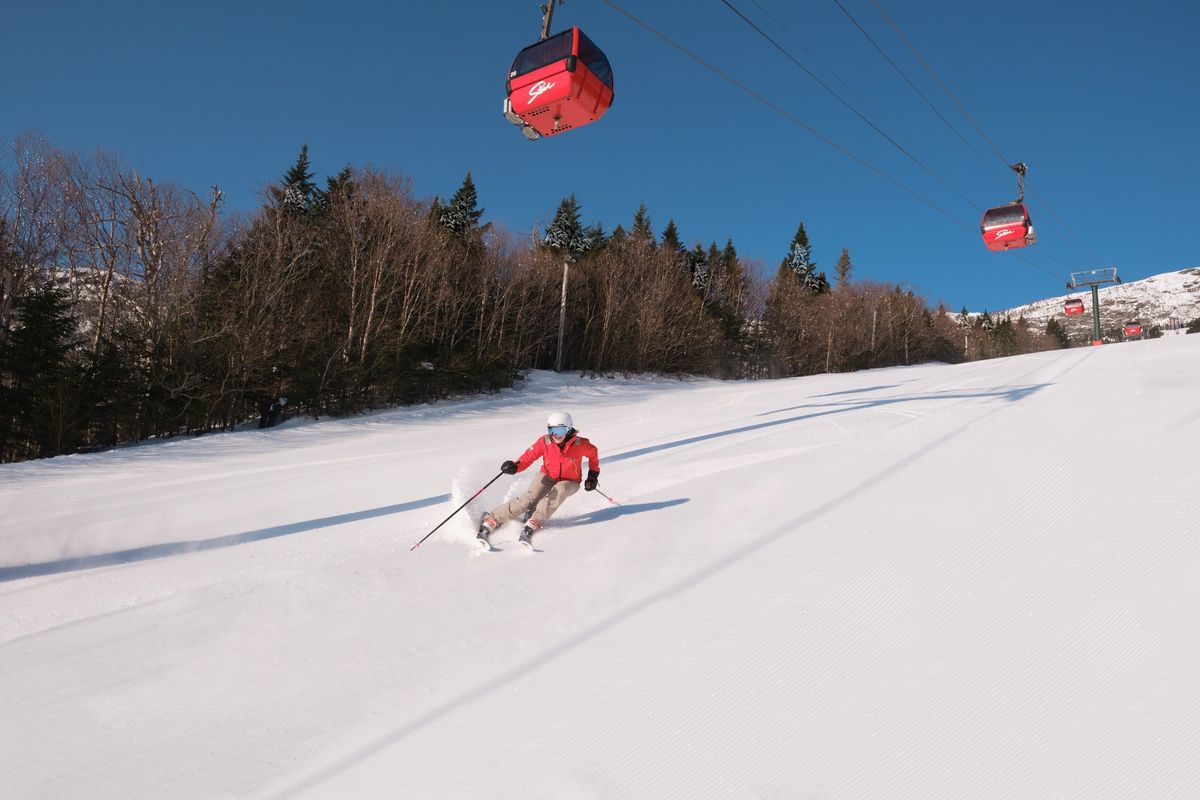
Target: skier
<point>276,411</point>
<point>562,451</point>
<point>270,410</point>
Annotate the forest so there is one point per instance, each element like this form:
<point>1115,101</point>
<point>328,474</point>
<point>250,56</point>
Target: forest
<point>133,308</point>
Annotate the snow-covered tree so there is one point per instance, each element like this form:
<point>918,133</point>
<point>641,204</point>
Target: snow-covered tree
<point>596,238</point>
<point>566,235</point>
<point>799,262</point>
<point>699,264</point>
<point>461,215</point>
<point>296,192</point>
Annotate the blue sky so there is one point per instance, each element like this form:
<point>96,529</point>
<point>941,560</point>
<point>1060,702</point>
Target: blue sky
<point>1101,100</point>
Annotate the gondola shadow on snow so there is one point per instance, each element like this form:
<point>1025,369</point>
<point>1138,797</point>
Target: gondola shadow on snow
<point>818,410</point>
<point>614,511</point>
<point>862,390</point>
<point>167,549</point>
<point>1009,394</point>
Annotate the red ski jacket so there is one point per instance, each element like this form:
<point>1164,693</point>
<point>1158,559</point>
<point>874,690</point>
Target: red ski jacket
<point>562,462</point>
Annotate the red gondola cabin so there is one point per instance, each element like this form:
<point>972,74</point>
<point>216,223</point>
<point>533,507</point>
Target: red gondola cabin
<point>1073,307</point>
<point>1007,227</point>
<point>558,84</point>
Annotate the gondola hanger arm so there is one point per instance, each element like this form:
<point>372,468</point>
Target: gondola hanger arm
<point>1020,169</point>
<point>548,15</point>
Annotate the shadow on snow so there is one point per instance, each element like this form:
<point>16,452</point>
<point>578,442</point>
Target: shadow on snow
<point>166,549</point>
<point>1010,395</point>
<point>863,390</point>
<point>612,511</point>
<point>742,550</point>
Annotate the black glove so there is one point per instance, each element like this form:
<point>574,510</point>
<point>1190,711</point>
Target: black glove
<point>508,468</point>
<point>593,478</point>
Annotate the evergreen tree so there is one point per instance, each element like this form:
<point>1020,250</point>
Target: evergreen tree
<point>340,184</point>
<point>698,264</point>
<point>461,216</point>
<point>799,257</point>
<point>799,262</point>
<point>715,270</point>
<point>730,285</point>
<point>596,238</point>
<point>643,228</point>
<point>1194,326</point>
<point>566,235</point>
<point>112,386</point>
<point>819,284</point>
<point>729,258</point>
<point>1057,332</point>
<point>1005,336</point>
<point>843,269</point>
<point>435,212</point>
<point>8,271</point>
<point>36,375</point>
<point>670,238</point>
<point>297,193</point>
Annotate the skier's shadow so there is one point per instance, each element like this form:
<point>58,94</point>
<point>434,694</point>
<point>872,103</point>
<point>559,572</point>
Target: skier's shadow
<point>614,511</point>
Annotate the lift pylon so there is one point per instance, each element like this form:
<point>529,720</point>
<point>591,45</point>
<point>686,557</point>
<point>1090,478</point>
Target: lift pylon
<point>1094,278</point>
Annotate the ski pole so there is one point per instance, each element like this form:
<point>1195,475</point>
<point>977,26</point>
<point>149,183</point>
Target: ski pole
<point>606,497</point>
<point>455,511</point>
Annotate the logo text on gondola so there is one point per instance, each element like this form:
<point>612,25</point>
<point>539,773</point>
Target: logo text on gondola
<point>538,89</point>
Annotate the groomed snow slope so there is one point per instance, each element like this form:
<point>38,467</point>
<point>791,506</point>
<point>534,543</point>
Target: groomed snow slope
<point>929,582</point>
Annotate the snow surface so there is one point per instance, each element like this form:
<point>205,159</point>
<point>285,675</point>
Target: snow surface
<point>938,581</point>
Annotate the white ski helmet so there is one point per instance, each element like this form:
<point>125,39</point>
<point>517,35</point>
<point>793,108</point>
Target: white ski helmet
<point>559,418</point>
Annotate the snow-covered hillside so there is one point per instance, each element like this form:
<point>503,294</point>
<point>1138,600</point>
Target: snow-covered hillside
<point>1170,300</point>
<point>976,581</point>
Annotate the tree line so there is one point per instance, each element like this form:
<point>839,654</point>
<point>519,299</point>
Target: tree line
<point>133,308</point>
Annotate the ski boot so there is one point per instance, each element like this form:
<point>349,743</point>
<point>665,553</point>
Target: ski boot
<point>531,527</point>
<point>486,525</point>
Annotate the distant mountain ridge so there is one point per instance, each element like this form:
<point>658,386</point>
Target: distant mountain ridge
<point>1169,300</point>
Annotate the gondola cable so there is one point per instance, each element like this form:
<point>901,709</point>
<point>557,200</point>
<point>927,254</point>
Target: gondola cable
<point>921,94</point>
<point>766,13</point>
<point>946,89</point>
<point>1027,260</point>
<point>800,123</point>
<point>911,84</point>
<point>948,124</point>
<point>847,104</point>
<point>784,113</point>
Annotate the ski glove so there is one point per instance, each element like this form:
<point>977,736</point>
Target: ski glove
<point>593,478</point>
<point>508,468</point>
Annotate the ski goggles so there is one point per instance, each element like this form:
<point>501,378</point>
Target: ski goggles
<point>558,430</point>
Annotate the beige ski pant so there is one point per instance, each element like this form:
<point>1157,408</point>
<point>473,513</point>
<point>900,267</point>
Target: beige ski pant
<point>545,495</point>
